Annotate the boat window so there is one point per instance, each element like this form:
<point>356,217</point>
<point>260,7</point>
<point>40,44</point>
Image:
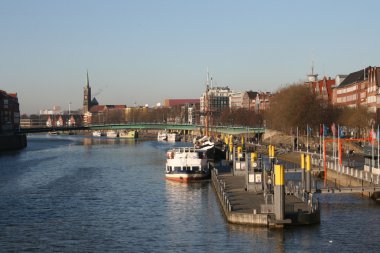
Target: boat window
<point>187,167</point>
<point>196,168</point>
<point>177,168</point>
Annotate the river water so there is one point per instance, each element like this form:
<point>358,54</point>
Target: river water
<point>79,194</point>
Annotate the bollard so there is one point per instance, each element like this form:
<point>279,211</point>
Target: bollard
<point>253,159</point>
<point>279,192</point>
<point>247,171</point>
<point>308,173</point>
<point>303,181</point>
<point>233,161</point>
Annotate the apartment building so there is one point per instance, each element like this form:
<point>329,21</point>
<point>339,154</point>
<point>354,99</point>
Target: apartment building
<point>360,88</point>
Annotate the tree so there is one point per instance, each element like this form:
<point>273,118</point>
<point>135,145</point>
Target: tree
<point>240,117</point>
<point>296,106</point>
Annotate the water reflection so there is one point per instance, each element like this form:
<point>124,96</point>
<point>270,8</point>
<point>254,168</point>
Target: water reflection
<point>89,141</point>
<point>83,194</point>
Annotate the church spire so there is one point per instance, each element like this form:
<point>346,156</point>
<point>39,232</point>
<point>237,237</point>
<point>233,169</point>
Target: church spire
<point>87,96</point>
<point>88,81</point>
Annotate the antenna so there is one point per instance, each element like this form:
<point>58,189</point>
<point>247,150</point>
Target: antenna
<point>207,79</point>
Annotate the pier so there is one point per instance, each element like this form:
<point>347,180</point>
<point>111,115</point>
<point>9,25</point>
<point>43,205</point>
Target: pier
<point>252,192</point>
<point>251,208</point>
<point>252,189</point>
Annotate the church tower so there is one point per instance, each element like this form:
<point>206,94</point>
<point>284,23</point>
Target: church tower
<point>86,96</point>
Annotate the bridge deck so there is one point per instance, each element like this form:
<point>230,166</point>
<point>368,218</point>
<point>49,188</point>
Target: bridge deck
<point>149,126</point>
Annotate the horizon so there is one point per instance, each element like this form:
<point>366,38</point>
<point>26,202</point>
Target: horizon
<point>143,52</point>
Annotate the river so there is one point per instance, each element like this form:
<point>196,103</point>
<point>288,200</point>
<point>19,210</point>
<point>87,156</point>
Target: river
<point>80,194</point>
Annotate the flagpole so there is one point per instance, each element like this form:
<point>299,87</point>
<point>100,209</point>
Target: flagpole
<point>372,151</point>
<point>333,133</point>
<point>307,138</point>
<point>339,150</point>
<point>320,143</point>
<point>323,139</point>
<point>297,139</point>
<point>378,148</point>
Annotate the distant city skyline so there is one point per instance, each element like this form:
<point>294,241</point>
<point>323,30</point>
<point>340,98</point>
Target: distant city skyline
<point>144,51</point>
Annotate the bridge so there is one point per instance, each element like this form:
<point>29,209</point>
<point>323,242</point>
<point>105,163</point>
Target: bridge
<point>151,126</point>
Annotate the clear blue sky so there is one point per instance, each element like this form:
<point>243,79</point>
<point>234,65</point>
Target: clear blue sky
<point>144,51</point>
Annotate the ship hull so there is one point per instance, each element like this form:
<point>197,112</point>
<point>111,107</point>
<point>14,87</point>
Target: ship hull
<point>183,177</point>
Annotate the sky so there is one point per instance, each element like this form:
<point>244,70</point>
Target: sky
<point>144,51</point>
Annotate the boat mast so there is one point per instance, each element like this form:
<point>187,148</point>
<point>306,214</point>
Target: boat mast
<point>207,104</point>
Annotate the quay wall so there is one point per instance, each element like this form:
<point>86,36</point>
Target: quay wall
<point>12,142</point>
<point>227,208</point>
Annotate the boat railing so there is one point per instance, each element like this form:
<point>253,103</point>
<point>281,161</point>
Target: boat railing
<point>186,150</point>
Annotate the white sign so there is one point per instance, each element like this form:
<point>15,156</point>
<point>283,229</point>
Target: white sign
<point>258,178</point>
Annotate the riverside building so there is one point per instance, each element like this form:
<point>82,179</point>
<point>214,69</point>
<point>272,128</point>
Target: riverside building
<point>360,88</point>
<point>9,112</point>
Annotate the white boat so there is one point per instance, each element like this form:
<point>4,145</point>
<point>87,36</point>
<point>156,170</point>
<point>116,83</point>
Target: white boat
<point>162,136</point>
<point>187,164</point>
<point>111,134</point>
<point>96,133</point>
<point>172,137</point>
<point>129,134</point>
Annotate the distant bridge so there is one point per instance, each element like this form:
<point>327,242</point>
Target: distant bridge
<point>151,126</point>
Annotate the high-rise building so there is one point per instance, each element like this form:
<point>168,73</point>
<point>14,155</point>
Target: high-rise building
<point>213,102</point>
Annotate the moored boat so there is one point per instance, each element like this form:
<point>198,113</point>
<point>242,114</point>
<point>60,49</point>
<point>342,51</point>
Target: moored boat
<point>162,136</point>
<point>129,134</point>
<point>187,164</point>
<point>96,133</point>
<point>172,137</point>
<point>111,134</point>
<point>215,150</point>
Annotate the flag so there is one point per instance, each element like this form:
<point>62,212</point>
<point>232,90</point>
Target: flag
<point>341,133</point>
<point>325,130</point>
<point>320,129</point>
<point>372,135</point>
<point>333,129</point>
<point>309,130</point>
